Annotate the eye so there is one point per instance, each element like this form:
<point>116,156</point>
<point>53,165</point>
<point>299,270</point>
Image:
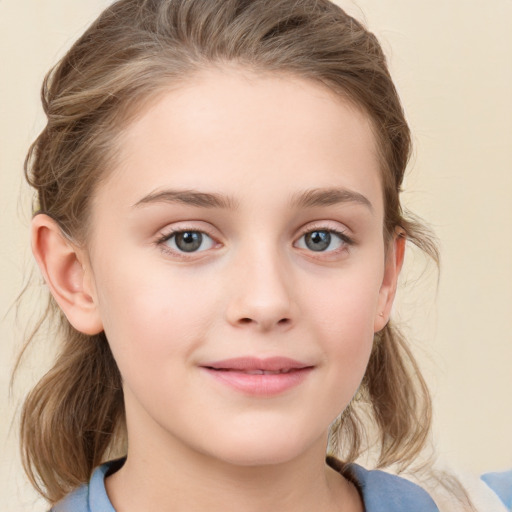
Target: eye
<point>188,241</point>
<point>323,240</point>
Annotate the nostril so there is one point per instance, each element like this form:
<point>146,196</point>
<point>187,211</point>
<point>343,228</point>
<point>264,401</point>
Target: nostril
<point>284,321</point>
<point>245,320</point>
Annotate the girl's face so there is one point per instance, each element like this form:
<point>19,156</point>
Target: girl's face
<point>238,267</point>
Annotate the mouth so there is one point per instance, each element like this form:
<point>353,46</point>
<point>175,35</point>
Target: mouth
<point>256,372</point>
<point>258,366</point>
<point>255,376</point>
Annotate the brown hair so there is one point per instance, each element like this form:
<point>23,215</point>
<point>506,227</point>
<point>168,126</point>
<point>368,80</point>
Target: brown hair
<point>74,418</point>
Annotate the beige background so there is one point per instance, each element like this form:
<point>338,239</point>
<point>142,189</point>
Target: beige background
<point>453,67</point>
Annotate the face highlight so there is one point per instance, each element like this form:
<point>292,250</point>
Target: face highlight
<point>239,267</point>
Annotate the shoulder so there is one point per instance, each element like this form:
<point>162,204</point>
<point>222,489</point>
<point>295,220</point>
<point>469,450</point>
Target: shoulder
<point>384,492</point>
<point>77,501</point>
<point>501,484</point>
<point>90,497</point>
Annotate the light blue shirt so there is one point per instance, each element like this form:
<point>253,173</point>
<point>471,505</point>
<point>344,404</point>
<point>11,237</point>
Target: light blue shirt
<point>381,492</point>
<point>501,484</point>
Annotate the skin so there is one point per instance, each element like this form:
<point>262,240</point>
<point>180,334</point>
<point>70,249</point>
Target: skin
<point>255,288</point>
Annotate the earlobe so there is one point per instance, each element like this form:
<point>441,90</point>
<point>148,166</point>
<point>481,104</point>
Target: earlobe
<point>60,263</point>
<point>393,265</point>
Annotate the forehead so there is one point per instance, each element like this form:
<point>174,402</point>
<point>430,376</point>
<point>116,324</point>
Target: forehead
<point>234,131</point>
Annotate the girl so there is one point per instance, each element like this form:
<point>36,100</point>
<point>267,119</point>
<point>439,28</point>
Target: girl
<point>220,229</point>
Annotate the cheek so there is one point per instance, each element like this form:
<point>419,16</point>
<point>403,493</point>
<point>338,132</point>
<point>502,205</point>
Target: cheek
<point>345,321</point>
<point>151,316</point>
<point>347,303</point>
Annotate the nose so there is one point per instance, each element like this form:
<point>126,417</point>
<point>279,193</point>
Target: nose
<point>261,292</point>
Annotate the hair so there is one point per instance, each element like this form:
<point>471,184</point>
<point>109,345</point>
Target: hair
<point>74,417</point>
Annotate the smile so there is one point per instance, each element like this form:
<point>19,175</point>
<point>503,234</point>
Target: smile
<point>257,372</point>
<point>259,377</point>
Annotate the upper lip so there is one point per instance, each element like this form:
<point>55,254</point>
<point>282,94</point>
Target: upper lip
<point>272,364</point>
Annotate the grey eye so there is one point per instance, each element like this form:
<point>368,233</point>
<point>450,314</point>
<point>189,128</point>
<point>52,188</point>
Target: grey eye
<point>190,241</point>
<point>322,240</point>
<point>317,240</point>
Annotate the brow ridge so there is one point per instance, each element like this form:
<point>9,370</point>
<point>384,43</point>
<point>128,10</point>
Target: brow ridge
<point>189,197</point>
<point>329,196</point>
<point>310,198</point>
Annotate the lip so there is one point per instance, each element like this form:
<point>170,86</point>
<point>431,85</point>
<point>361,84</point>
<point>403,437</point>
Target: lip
<point>256,376</point>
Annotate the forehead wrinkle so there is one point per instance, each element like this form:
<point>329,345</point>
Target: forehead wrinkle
<point>189,197</point>
<point>328,197</point>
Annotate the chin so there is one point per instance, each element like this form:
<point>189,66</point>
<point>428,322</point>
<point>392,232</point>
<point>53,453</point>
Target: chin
<point>262,450</point>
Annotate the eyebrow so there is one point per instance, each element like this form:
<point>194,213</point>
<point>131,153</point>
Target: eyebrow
<point>190,197</point>
<point>308,199</point>
<point>328,197</point>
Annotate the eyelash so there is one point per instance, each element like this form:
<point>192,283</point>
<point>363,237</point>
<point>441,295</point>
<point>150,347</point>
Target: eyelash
<point>346,241</point>
<point>162,240</point>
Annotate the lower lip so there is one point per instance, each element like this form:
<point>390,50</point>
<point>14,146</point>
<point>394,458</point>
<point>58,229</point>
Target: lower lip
<point>260,384</point>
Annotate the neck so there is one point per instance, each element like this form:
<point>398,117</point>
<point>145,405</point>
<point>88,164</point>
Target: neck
<point>188,481</point>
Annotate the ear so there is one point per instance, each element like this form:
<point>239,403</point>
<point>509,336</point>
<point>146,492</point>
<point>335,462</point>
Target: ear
<point>393,265</point>
<point>61,265</point>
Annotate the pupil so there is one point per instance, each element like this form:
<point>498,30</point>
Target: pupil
<point>318,240</point>
<point>189,241</point>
